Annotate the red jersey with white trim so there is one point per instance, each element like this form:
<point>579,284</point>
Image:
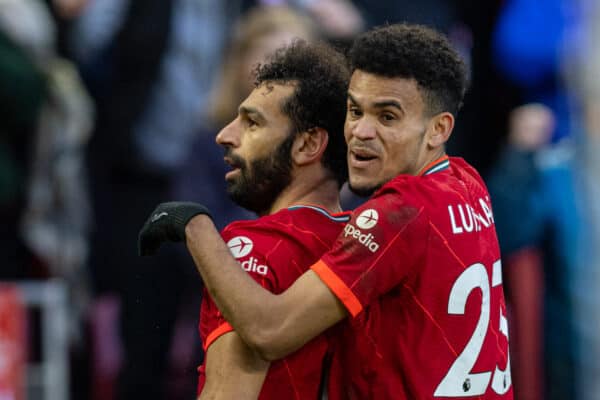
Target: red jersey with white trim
<point>418,268</point>
<point>275,250</point>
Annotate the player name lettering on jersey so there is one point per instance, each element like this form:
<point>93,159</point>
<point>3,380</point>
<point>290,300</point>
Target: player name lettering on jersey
<point>366,239</point>
<point>251,265</point>
<point>465,219</point>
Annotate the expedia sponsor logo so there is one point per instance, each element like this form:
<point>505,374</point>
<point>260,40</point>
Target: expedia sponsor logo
<point>366,239</point>
<point>251,265</point>
<point>240,246</point>
<point>367,219</point>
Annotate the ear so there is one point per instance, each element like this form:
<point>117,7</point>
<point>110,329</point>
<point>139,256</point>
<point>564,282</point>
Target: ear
<point>441,126</point>
<point>309,146</point>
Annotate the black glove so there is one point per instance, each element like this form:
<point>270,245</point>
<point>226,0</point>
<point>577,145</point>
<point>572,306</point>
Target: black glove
<point>167,223</point>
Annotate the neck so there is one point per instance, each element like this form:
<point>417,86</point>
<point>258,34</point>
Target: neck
<point>311,187</point>
<point>433,156</point>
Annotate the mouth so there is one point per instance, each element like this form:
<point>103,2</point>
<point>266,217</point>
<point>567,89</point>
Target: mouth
<point>235,167</point>
<point>361,157</point>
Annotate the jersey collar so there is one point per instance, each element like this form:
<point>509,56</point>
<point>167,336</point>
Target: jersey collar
<point>343,216</point>
<point>438,165</point>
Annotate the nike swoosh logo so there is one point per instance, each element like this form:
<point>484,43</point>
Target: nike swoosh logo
<point>156,217</point>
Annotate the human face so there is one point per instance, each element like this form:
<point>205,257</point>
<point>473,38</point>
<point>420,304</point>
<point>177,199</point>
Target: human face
<point>385,130</point>
<point>257,147</point>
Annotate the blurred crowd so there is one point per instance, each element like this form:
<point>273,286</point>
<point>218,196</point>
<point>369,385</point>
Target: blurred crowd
<point>109,107</point>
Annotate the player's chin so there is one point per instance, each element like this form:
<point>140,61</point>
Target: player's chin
<point>234,185</point>
<point>363,189</point>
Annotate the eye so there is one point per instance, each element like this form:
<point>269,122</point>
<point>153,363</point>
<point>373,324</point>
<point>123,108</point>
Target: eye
<point>250,123</point>
<point>388,117</point>
<point>354,112</point>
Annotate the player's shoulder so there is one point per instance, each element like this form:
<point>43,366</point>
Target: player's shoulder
<point>291,224</point>
<point>444,176</point>
<point>291,217</point>
<point>308,215</point>
<point>465,171</point>
<point>406,197</point>
<point>282,245</point>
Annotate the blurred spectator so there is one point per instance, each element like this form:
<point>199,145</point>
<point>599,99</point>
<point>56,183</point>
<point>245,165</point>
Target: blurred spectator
<point>22,93</point>
<point>55,219</point>
<point>440,14</point>
<point>258,32</point>
<point>339,19</point>
<point>560,186</point>
<point>529,43</point>
<point>336,19</point>
<point>517,191</point>
<point>532,45</point>
<point>68,9</point>
<point>583,70</point>
<point>149,65</point>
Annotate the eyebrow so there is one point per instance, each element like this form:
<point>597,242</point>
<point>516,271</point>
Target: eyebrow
<point>380,104</point>
<point>246,110</point>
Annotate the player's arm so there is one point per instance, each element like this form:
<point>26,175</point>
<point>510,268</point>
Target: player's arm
<point>233,370</point>
<point>272,325</point>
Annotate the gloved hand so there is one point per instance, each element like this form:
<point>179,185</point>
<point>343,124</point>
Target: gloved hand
<point>167,223</point>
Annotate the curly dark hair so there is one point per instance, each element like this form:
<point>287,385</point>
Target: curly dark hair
<point>320,75</point>
<point>414,51</point>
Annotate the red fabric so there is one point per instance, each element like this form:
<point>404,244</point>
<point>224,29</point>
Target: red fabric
<point>13,343</point>
<point>401,255</point>
<point>275,250</point>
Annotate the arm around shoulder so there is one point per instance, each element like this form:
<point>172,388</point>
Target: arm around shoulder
<point>305,310</point>
<point>273,325</point>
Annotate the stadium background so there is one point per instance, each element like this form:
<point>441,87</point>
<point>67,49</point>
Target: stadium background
<point>111,106</point>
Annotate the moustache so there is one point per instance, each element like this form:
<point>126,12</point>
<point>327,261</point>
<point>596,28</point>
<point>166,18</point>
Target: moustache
<point>359,146</point>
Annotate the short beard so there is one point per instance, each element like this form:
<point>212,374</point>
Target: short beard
<point>262,180</point>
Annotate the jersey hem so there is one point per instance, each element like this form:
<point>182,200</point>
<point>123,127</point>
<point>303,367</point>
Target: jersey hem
<point>338,287</point>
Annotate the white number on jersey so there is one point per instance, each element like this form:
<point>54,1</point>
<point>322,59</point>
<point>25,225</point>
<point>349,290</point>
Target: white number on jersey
<point>459,381</point>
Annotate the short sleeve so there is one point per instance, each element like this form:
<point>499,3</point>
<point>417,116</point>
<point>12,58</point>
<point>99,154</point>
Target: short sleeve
<point>212,322</point>
<point>375,252</point>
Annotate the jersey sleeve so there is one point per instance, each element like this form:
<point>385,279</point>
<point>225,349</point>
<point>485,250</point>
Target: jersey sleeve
<point>212,322</point>
<point>376,251</point>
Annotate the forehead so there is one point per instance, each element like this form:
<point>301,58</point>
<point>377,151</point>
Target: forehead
<point>268,99</point>
<point>370,89</point>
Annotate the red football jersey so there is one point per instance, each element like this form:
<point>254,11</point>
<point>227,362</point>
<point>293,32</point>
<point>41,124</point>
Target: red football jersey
<point>418,267</point>
<point>275,250</point>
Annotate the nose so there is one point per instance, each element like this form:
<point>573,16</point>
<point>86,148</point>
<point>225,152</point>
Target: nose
<point>229,135</point>
<point>363,128</point>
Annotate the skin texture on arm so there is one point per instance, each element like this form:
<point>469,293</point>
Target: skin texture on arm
<point>233,370</point>
<point>272,325</point>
